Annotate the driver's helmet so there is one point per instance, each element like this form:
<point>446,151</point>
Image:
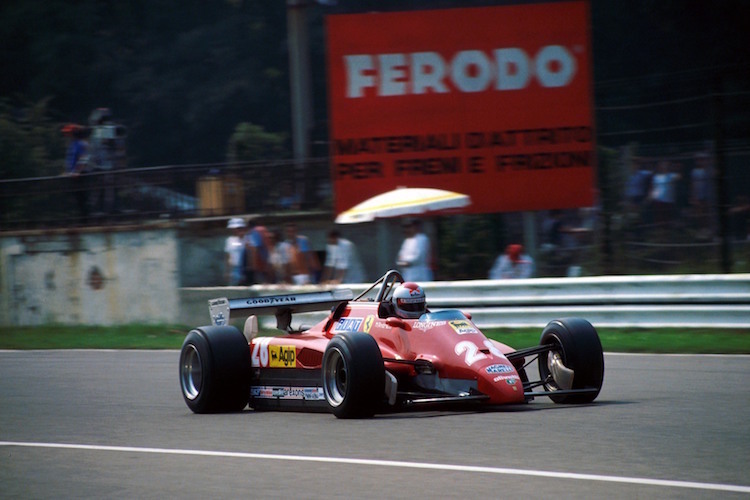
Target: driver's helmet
<point>409,300</point>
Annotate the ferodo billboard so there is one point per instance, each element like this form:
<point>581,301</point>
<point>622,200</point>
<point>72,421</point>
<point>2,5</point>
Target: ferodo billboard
<point>492,102</point>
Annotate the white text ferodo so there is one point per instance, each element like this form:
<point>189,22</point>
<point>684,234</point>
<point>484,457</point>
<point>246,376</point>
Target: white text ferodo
<point>469,71</point>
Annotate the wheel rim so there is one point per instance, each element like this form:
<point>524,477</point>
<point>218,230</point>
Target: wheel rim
<point>191,372</point>
<point>554,357</point>
<point>335,376</point>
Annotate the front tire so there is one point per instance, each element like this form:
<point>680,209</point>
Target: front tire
<point>577,347</point>
<point>353,375</point>
<point>215,370</point>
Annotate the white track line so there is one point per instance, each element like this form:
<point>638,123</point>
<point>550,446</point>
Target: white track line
<point>393,463</point>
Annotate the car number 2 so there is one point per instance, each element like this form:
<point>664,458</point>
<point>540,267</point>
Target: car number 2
<point>259,357</point>
<point>471,351</point>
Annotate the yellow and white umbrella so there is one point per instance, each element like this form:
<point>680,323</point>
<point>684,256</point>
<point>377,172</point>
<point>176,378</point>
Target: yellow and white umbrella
<point>403,201</point>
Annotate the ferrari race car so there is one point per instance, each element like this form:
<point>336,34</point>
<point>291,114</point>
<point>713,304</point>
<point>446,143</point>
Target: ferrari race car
<point>365,358</point>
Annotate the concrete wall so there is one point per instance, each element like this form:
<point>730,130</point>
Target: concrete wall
<point>118,275</point>
<point>103,278</point>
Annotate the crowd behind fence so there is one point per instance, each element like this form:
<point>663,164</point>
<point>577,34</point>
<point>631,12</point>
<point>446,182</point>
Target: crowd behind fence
<point>170,192</point>
<point>613,237</point>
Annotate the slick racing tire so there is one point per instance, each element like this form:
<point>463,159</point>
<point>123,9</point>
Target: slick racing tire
<point>353,375</point>
<point>577,347</point>
<point>215,370</point>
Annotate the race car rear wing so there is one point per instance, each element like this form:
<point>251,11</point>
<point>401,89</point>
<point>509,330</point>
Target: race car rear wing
<point>281,306</point>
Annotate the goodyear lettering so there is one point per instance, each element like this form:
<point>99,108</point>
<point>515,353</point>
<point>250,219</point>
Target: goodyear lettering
<point>467,71</point>
<point>270,301</point>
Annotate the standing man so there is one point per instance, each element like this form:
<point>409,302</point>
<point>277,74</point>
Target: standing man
<point>256,253</point>
<point>234,250</point>
<point>414,256</point>
<point>342,264</point>
<point>304,264</point>
<point>513,264</point>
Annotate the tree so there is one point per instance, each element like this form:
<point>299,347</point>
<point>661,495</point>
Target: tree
<point>251,142</point>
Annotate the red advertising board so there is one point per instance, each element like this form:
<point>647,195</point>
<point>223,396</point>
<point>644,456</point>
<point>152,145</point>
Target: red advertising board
<point>492,102</point>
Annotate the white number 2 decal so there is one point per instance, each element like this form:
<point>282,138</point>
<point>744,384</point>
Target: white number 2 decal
<point>259,357</point>
<point>472,352</point>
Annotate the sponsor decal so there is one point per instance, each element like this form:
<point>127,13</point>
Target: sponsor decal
<point>463,326</point>
<point>285,392</point>
<point>282,356</point>
<point>271,301</point>
<point>499,369</point>
<point>490,111</point>
<point>509,379</point>
<point>427,325</point>
<point>219,319</point>
<point>367,325</point>
<point>466,71</point>
<point>348,325</point>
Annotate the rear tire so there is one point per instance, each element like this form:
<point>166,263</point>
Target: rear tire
<point>578,346</point>
<point>353,375</point>
<point>215,370</point>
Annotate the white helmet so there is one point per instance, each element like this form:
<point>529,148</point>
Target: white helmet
<point>409,300</point>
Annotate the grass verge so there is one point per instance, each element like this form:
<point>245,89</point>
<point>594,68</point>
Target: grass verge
<point>653,340</point>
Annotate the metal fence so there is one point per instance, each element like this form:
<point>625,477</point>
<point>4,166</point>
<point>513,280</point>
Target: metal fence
<point>680,301</point>
<point>169,192</point>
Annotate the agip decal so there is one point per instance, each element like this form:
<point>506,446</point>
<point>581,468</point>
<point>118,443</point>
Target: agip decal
<point>273,356</point>
<point>282,356</point>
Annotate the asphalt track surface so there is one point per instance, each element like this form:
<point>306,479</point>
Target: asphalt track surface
<point>112,424</point>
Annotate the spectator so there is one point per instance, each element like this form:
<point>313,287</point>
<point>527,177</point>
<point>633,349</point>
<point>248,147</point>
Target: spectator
<point>234,250</point>
<point>414,255</point>
<point>700,190</point>
<point>107,154</point>
<point>664,193</point>
<point>278,259</point>
<point>256,253</point>
<point>77,163</point>
<point>304,264</point>
<point>342,263</point>
<point>289,199</point>
<point>513,264</point>
<point>638,187</point>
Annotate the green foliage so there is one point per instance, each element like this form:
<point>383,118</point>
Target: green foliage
<point>251,142</point>
<point>31,144</point>
<point>178,74</point>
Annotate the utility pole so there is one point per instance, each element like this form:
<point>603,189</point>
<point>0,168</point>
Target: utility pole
<point>722,196</point>
<point>299,78</point>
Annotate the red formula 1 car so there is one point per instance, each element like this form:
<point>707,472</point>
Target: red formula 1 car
<point>366,357</point>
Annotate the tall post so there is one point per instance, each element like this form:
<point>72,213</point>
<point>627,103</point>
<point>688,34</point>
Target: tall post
<point>299,78</point>
<point>722,196</point>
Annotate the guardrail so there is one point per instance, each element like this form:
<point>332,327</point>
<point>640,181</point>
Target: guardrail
<point>684,301</point>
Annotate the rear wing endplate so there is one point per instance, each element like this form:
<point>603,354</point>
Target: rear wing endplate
<point>281,306</point>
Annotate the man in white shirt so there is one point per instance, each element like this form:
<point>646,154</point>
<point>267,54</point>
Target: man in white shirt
<point>414,256</point>
<point>342,264</point>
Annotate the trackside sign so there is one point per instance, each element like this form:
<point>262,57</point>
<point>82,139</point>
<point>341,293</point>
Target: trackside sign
<point>493,102</point>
